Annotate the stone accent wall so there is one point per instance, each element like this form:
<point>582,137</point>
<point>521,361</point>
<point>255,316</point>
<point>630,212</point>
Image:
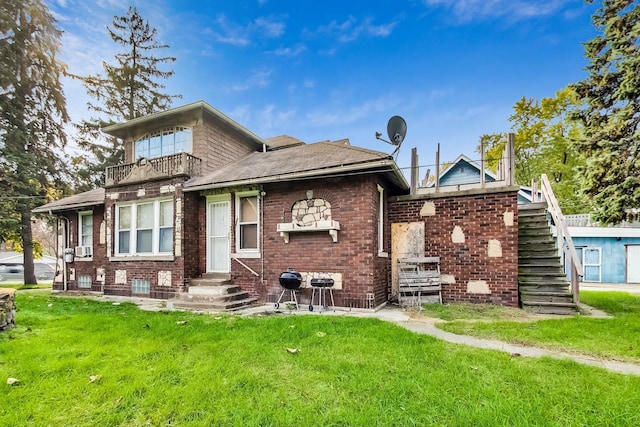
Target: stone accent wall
<point>7,309</point>
<point>475,234</point>
<point>307,212</point>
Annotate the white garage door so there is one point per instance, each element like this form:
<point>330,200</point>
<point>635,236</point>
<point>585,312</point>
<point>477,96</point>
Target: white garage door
<point>633,264</point>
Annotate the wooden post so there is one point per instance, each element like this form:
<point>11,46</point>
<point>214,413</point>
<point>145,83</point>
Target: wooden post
<point>438,169</point>
<point>575,283</point>
<point>511,169</point>
<point>482,178</point>
<point>414,170</point>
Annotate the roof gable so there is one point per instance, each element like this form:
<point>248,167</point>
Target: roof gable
<point>463,170</point>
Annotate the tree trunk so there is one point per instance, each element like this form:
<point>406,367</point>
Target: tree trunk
<point>27,246</point>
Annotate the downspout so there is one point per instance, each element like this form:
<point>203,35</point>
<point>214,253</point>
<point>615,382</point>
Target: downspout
<point>66,229</point>
<point>262,194</point>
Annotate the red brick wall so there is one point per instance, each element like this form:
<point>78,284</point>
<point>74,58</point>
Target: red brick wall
<point>147,269</point>
<point>481,218</point>
<point>85,266</point>
<point>354,204</point>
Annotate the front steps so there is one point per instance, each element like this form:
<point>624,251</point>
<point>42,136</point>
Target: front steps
<point>542,282</point>
<point>212,292</point>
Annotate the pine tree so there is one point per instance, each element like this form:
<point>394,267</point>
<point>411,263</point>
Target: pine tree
<point>611,177</point>
<point>32,118</point>
<point>127,90</point>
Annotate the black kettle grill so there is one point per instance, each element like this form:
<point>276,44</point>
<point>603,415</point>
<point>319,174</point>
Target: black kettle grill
<point>290,280</point>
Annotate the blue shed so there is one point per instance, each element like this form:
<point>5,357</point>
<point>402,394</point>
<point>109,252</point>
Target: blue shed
<point>608,254</point>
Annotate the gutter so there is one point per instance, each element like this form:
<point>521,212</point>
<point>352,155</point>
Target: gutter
<point>308,174</point>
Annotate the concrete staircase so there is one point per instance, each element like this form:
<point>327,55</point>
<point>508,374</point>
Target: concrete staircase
<point>542,283</point>
<point>212,292</point>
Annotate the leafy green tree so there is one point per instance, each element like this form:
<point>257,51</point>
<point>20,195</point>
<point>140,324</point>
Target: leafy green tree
<point>611,143</point>
<point>543,134</point>
<point>32,118</point>
<point>128,89</point>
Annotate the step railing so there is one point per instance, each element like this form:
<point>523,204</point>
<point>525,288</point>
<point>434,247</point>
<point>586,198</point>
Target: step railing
<point>565,242</point>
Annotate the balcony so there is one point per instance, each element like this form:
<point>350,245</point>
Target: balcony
<point>181,164</point>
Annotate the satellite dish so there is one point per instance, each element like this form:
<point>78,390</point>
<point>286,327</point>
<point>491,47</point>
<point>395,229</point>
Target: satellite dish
<point>397,130</point>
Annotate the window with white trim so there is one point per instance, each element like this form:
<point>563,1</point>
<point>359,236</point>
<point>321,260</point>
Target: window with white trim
<point>247,213</point>
<point>162,142</point>
<point>144,228</point>
<point>85,228</point>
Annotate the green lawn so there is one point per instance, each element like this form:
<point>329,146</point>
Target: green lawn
<point>615,338</point>
<point>153,369</point>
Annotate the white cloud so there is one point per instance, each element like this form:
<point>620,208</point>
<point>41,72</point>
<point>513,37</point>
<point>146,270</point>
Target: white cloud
<point>515,10</point>
<point>350,30</point>
<point>271,118</point>
<point>259,78</point>
<point>235,34</point>
<point>270,27</point>
<point>289,52</point>
<point>336,116</point>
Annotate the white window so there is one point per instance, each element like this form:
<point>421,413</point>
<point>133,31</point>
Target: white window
<point>381,251</point>
<point>144,228</point>
<point>247,213</point>
<point>169,140</point>
<point>592,263</point>
<point>85,228</point>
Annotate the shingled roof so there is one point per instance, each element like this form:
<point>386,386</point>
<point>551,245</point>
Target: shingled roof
<point>299,161</point>
<point>81,200</point>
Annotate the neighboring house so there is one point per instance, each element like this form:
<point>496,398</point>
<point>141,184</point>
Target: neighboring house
<point>201,195</point>
<point>463,171</point>
<point>608,254</point>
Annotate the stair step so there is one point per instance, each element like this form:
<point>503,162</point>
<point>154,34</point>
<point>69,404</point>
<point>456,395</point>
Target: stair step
<point>212,305</point>
<point>532,206</point>
<point>212,290</point>
<point>565,309</point>
<point>209,282</point>
<point>539,259</point>
<point>551,297</point>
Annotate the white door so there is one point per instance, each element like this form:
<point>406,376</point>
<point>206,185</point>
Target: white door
<point>218,236</point>
<point>633,264</point>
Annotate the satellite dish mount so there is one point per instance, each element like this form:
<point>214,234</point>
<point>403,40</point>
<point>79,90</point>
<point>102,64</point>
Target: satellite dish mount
<point>397,130</point>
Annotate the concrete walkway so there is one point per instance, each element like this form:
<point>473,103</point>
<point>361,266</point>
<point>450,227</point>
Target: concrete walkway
<point>415,324</point>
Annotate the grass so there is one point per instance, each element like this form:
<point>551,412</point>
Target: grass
<point>616,338</point>
<point>22,287</point>
<point>184,369</point>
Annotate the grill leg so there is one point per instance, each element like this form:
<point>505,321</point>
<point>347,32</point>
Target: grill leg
<point>294,298</point>
<point>333,304</point>
<point>313,294</point>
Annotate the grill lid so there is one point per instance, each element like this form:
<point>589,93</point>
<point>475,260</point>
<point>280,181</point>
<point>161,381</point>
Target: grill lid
<point>290,279</point>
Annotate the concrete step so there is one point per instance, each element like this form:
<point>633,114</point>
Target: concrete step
<point>209,281</point>
<point>212,290</point>
<point>213,305</point>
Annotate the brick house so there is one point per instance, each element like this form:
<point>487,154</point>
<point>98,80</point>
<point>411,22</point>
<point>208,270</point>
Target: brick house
<point>201,196</point>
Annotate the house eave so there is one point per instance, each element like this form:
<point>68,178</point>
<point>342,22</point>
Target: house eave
<point>44,209</point>
<point>381,166</point>
<point>193,110</point>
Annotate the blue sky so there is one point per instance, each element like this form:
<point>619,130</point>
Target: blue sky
<point>340,69</point>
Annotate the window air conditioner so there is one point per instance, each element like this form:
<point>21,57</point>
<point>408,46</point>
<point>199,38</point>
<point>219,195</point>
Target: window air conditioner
<point>83,251</point>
